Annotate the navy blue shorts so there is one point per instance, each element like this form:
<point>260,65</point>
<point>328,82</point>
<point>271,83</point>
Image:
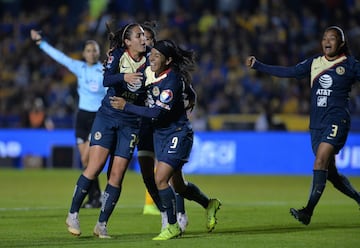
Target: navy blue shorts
<point>118,136</point>
<point>334,134</point>
<point>173,144</point>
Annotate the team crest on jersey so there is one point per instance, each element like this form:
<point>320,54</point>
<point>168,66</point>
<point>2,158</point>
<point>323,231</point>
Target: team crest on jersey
<point>166,96</point>
<point>340,70</point>
<point>97,136</point>
<point>156,91</point>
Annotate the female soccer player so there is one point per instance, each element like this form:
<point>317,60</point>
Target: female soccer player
<point>169,77</point>
<point>145,146</point>
<point>114,132</point>
<point>146,158</point>
<point>332,75</point>
<point>89,74</point>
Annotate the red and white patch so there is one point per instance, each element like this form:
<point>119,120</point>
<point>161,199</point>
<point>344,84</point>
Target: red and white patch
<point>166,96</point>
<point>110,59</point>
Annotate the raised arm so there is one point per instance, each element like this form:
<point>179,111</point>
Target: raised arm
<point>278,71</point>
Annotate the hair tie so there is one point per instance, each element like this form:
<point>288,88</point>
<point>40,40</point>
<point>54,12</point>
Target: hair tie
<point>340,30</point>
<point>123,34</point>
<point>165,47</point>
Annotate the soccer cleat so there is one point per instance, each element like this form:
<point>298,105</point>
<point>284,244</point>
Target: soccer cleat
<point>182,219</point>
<point>301,215</point>
<point>151,209</point>
<point>164,220</point>
<point>171,231</point>
<point>100,230</point>
<point>212,208</point>
<point>73,223</point>
<point>92,204</point>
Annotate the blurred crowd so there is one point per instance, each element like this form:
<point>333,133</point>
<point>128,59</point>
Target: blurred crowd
<point>222,32</point>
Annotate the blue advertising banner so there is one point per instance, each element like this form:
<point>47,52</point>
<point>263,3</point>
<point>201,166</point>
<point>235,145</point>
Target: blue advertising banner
<point>276,153</point>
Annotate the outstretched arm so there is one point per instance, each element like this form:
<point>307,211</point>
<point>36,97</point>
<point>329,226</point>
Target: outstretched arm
<point>279,71</point>
<point>70,63</point>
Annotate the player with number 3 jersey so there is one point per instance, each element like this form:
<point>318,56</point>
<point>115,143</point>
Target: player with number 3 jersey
<point>332,75</point>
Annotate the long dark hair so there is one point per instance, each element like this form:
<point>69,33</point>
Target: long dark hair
<point>117,38</point>
<point>183,61</point>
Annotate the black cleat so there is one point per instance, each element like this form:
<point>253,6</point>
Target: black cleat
<point>92,204</point>
<point>301,215</point>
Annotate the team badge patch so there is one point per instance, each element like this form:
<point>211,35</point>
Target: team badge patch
<point>340,70</point>
<point>166,96</point>
<point>156,91</point>
<point>97,136</point>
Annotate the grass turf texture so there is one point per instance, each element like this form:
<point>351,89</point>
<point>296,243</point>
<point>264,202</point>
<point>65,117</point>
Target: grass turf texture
<point>255,213</point>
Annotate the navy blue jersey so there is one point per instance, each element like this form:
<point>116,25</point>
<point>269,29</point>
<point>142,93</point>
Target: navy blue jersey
<point>173,135</point>
<point>118,63</point>
<point>330,83</point>
<point>146,130</point>
<point>165,99</point>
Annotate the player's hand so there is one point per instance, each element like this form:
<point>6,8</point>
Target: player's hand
<point>250,61</point>
<point>35,36</point>
<point>117,102</point>
<point>133,78</point>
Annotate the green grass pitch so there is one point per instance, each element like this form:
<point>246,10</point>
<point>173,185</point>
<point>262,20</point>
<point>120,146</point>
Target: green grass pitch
<point>255,213</point>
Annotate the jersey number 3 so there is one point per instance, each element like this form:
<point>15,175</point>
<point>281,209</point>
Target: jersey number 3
<point>334,130</point>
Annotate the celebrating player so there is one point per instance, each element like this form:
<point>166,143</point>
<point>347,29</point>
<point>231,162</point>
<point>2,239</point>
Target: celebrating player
<point>168,78</point>
<point>332,75</point>
<point>114,132</point>
<point>146,158</point>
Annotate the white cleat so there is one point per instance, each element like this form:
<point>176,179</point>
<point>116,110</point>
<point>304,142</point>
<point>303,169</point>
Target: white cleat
<point>182,219</point>
<point>100,230</point>
<point>164,220</point>
<point>73,223</point>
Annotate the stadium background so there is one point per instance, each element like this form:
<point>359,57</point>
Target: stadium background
<point>232,99</point>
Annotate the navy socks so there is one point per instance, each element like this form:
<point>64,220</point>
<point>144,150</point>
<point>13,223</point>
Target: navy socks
<point>167,197</point>
<point>80,192</point>
<point>111,196</point>
<point>193,193</point>
<point>317,188</point>
<point>153,191</point>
